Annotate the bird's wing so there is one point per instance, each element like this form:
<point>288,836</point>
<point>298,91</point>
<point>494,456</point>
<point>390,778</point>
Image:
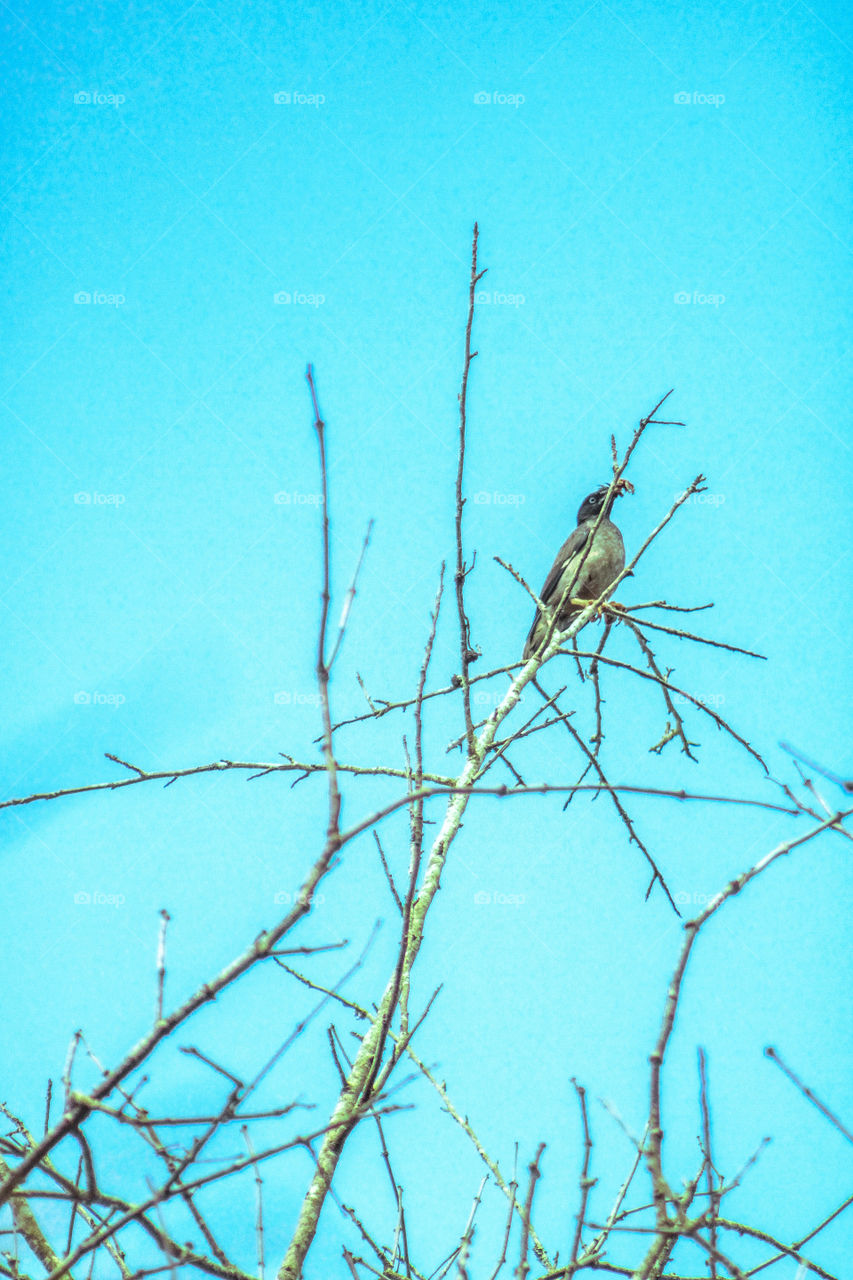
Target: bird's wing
<point>573,545</point>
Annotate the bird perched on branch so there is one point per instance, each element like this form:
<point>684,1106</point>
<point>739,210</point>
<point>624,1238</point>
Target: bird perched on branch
<point>582,570</point>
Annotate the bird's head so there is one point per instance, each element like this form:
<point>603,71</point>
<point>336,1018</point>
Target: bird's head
<point>592,504</point>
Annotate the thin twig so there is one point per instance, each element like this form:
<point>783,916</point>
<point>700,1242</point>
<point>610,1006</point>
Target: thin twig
<point>350,596</point>
<point>586,1183</point>
<point>657,875</point>
<point>668,702</point>
<point>259,1188</point>
<point>513,1187</point>
<point>388,876</point>
<point>771,1053</point>
<point>619,611</point>
<point>161,962</point>
<point>533,1169</point>
<point>467,653</point>
<point>713,1193</point>
<point>660,1190</point>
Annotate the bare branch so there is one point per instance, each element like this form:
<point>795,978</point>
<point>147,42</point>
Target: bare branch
<point>772,1054</point>
<point>533,1169</point>
<point>586,1183</point>
<point>161,963</point>
<point>713,1193</point>
<point>467,653</point>
<point>654,1149</point>
<point>350,596</point>
<point>259,1185</point>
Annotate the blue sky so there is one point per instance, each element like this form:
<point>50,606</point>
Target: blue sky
<point>198,200</point>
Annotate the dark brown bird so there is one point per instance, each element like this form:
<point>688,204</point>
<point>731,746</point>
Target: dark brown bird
<point>603,561</point>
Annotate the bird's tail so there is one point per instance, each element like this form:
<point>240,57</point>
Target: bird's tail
<point>531,643</point>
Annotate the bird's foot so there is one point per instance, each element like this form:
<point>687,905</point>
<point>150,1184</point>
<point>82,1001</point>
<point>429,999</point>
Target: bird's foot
<point>599,610</point>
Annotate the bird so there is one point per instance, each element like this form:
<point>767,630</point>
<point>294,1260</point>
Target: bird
<point>582,570</point>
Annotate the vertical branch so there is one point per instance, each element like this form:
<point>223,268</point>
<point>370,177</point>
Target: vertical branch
<point>595,1248</point>
<point>69,1066</point>
<point>661,1193</point>
<point>259,1185</point>
<point>417,826</point>
<point>350,596</point>
<point>513,1187</point>
<point>533,1169</point>
<point>397,1192</point>
<point>468,1234</point>
<point>399,993</point>
<point>713,1194</point>
<point>26,1225</point>
<point>161,962</point>
<point>333,831</point>
<point>654,1151</point>
<point>468,654</point>
<point>586,1183</point>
